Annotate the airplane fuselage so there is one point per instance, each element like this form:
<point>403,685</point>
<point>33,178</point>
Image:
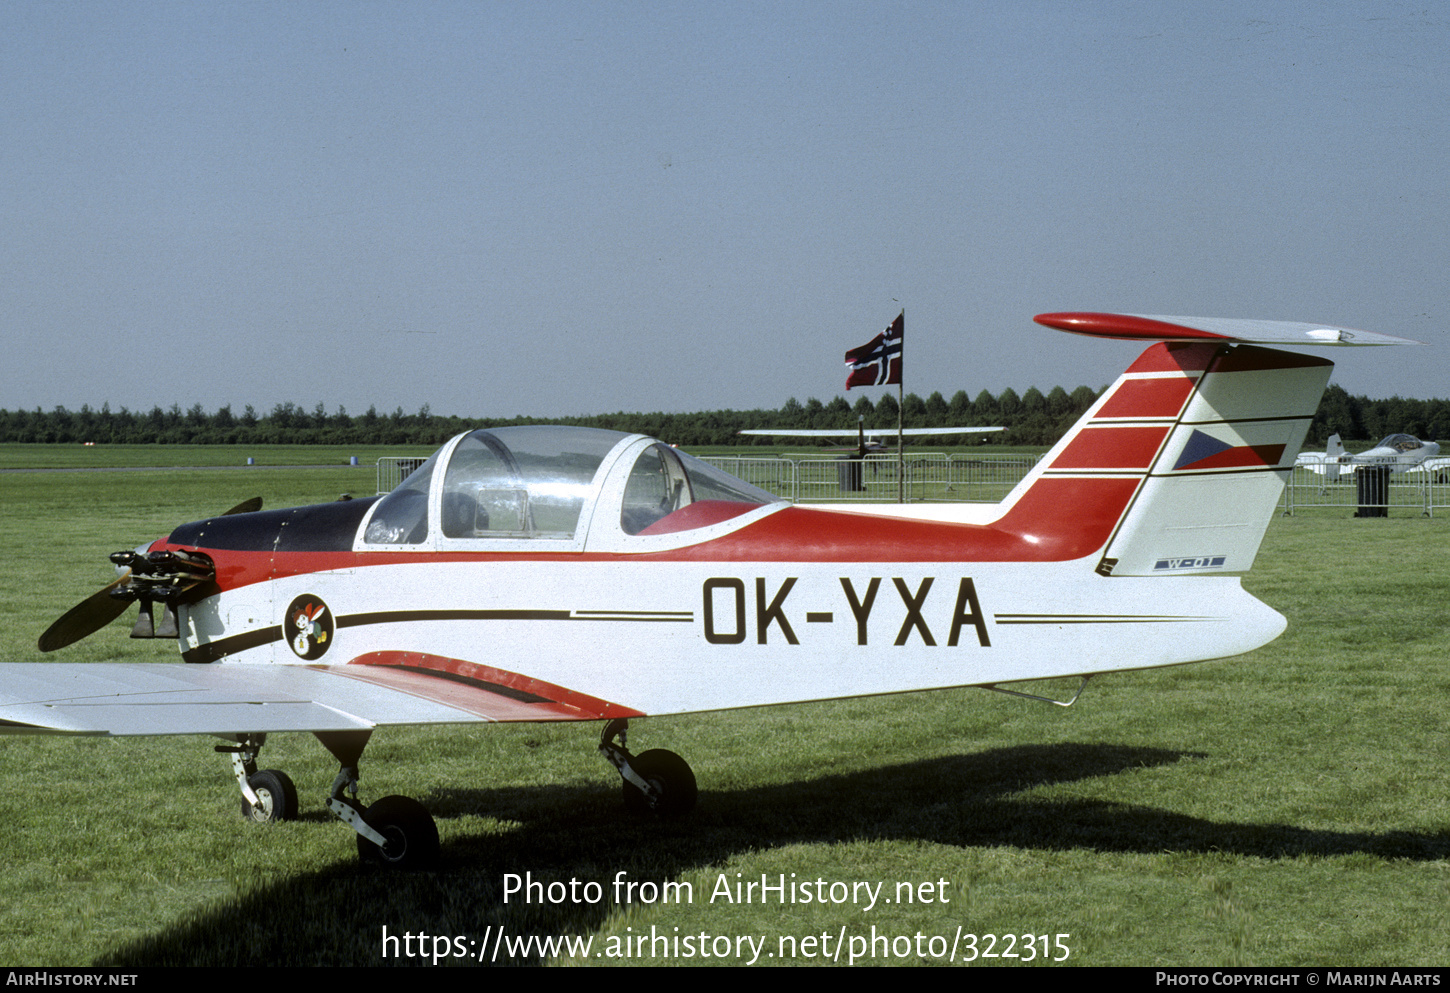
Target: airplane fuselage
<point>662,636</point>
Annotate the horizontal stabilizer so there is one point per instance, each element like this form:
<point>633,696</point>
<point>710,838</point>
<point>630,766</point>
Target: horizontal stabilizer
<point>1143,327</point>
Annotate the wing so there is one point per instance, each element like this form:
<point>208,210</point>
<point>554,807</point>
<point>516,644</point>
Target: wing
<point>385,688</point>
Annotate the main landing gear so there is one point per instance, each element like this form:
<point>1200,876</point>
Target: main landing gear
<point>656,781</point>
<point>398,832</point>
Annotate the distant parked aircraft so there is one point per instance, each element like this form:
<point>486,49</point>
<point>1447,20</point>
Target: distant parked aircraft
<point>872,440</point>
<point>1400,452</point>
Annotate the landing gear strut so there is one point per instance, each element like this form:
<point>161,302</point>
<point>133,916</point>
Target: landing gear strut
<point>268,796</point>
<point>396,831</point>
<point>657,781</point>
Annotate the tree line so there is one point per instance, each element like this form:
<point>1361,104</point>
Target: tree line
<point>1358,418</point>
<point>1032,418</point>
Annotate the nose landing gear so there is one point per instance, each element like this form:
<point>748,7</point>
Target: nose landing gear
<point>268,796</point>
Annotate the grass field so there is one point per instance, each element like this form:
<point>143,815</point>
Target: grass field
<point>1285,807</point>
<point>15,456</point>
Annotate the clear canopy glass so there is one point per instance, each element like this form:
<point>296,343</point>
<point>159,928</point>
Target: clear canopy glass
<point>534,482</point>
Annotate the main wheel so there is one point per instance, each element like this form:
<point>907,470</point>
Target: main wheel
<point>276,794</point>
<point>412,837</point>
<point>668,773</point>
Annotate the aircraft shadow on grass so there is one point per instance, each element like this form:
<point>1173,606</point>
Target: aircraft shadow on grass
<point>336,915</point>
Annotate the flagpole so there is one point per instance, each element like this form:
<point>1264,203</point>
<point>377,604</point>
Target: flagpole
<point>900,402</point>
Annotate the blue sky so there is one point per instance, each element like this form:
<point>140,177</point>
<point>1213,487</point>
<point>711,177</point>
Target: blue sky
<point>571,208</point>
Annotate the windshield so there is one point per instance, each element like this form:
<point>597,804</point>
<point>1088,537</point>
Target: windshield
<point>401,517</point>
<point>535,482</point>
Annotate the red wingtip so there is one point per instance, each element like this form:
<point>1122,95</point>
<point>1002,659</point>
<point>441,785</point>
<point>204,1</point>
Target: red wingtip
<point>1124,326</point>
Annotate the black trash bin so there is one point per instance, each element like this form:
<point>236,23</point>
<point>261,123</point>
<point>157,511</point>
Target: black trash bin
<point>1373,482</point>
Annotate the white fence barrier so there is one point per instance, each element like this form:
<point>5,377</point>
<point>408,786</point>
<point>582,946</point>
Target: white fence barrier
<point>392,471</point>
<point>945,478</point>
<point>931,476</point>
<point>938,478</point>
<point>1371,491</point>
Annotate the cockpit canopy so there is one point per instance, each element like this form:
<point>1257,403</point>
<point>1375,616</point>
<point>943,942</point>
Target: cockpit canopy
<point>1401,443</point>
<point>540,482</point>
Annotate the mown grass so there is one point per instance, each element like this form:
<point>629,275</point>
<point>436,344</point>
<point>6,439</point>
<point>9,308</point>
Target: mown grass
<point>1286,807</point>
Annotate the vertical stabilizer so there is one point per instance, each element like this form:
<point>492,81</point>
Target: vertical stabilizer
<point>1221,466</point>
<point>1179,465</point>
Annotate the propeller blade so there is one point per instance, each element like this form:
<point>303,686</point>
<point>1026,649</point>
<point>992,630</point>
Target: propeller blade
<point>90,615</point>
<point>100,608</point>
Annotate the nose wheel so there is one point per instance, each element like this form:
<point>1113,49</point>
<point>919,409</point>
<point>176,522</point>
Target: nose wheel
<point>276,797</point>
<point>268,796</point>
<point>398,832</point>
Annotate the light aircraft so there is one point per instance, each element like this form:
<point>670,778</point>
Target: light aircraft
<point>1397,452</point>
<point>573,574</point>
<point>874,440</point>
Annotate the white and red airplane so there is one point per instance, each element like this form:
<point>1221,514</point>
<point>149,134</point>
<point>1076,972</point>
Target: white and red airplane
<point>874,440</point>
<point>1397,452</point>
<point>572,574</point>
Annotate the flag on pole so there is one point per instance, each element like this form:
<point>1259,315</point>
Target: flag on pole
<point>878,362</point>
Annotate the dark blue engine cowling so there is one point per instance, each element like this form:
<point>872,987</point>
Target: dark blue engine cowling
<point>322,527</point>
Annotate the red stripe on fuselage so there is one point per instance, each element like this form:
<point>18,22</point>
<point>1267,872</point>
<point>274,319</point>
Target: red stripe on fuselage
<point>1056,520</point>
<point>699,514</point>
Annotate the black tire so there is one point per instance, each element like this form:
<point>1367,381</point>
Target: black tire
<point>277,795</point>
<point>671,774</point>
<point>412,835</point>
